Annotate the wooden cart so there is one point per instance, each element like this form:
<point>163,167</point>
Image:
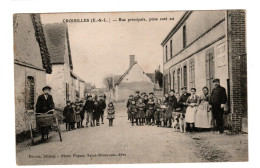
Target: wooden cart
<point>47,122</point>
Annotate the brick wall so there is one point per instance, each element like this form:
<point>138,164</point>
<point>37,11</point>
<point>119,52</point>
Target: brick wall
<point>237,66</point>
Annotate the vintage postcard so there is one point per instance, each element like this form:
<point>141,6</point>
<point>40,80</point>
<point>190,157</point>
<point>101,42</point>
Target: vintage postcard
<point>130,87</point>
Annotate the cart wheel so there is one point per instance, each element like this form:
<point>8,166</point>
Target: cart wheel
<point>31,131</point>
<point>58,128</point>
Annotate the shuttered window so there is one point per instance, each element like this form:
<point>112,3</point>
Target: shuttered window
<point>210,70</point>
<point>192,73</point>
<point>30,92</point>
<point>185,76</point>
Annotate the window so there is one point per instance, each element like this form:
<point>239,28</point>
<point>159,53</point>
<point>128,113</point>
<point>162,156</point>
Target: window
<point>184,36</point>
<point>173,80</point>
<point>179,80</point>
<point>210,68</point>
<point>166,83</point>
<point>30,93</point>
<point>185,76</point>
<point>171,48</point>
<point>192,74</point>
<point>166,53</point>
<point>170,80</point>
<point>67,91</point>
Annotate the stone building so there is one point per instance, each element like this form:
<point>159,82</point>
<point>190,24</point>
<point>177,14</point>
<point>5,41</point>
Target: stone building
<point>31,63</point>
<point>204,45</point>
<point>132,80</point>
<point>61,80</point>
<point>79,87</point>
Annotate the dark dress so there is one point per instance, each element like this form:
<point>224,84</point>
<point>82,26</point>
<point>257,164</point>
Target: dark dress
<point>141,110</point>
<point>182,100</point>
<point>66,112</point>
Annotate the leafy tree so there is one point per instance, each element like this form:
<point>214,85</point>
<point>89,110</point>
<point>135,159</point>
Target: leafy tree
<point>159,78</point>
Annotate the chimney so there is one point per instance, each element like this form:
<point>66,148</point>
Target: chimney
<point>132,59</point>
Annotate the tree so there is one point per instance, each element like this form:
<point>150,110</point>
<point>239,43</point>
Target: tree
<point>159,78</point>
<point>108,82</point>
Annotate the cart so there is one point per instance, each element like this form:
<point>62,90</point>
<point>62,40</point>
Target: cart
<point>45,122</point>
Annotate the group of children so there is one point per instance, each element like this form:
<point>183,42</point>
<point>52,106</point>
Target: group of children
<point>73,115</point>
<point>93,107</point>
<point>146,110</point>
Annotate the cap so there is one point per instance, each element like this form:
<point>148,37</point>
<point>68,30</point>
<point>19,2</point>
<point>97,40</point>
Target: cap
<point>184,87</point>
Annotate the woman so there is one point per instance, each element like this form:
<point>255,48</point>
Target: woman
<point>203,117</point>
<point>192,102</point>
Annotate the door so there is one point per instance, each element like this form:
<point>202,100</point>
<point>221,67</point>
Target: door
<point>210,68</point>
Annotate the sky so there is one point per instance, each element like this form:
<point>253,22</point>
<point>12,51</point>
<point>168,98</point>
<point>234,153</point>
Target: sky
<point>100,49</point>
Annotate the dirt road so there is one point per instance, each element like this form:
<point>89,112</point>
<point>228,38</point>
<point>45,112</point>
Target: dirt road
<point>121,143</point>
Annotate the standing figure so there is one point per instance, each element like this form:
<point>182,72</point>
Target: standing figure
<point>77,111</point>
<point>129,101</point>
<point>203,117</point>
<point>164,105</point>
<point>110,113</point>
<point>66,112</point>
<point>133,111</point>
<point>172,105</point>
<point>145,109</point>
<point>141,111</point>
<point>183,98</point>
<point>192,102</point>
<point>218,99</point>
<point>101,108</point>
<point>96,114</point>
<point>44,104</point>
<point>150,111</point>
<point>71,116</point>
<point>82,113</point>
<point>157,112</point>
<point>89,107</point>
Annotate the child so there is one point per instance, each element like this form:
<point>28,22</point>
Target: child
<point>133,110</point>
<point>141,111</point>
<point>66,112</point>
<point>82,113</point>
<point>129,101</point>
<point>157,113</point>
<point>110,113</point>
<point>96,114</point>
<point>146,103</point>
<point>89,107</point>
<point>164,105</point>
<point>150,111</point>
<point>71,117</point>
<point>77,111</point>
<point>101,107</point>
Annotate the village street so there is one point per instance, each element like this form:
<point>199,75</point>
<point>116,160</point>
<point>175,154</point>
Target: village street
<point>124,143</point>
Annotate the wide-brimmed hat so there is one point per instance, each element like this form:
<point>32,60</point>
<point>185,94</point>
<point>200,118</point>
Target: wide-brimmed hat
<point>46,87</point>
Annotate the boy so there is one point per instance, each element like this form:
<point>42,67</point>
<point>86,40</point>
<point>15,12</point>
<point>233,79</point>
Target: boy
<point>89,107</point>
<point>101,108</point>
<point>133,111</point>
<point>129,101</point>
<point>66,112</point>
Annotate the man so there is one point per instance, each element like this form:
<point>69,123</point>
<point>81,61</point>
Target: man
<point>137,96</point>
<point>44,104</point>
<point>218,99</point>
<point>182,102</point>
<point>142,95</point>
<point>172,102</point>
<point>89,108</point>
<point>101,108</point>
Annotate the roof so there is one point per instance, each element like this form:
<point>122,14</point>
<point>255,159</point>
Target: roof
<point>151,76</point>
<point>127,71</point>
<point>176,27</point>
<point>39,34</point>
<point>76,76</point>
<point>56,35</point>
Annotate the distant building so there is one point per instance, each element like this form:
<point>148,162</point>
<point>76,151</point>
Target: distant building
<point>61,80</point>
<point>205,45</point>
<point>79,86</point>
<point>31,63</point>
<point>132,80</point>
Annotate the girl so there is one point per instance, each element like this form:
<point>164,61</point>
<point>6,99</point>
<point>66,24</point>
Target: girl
<point>133,110</point>
<point>157,113</point>
<point>141,111</point>
<point>192,102</point>
<point>203,118</point>
<point>110,113</point>
<point>77,117</point>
